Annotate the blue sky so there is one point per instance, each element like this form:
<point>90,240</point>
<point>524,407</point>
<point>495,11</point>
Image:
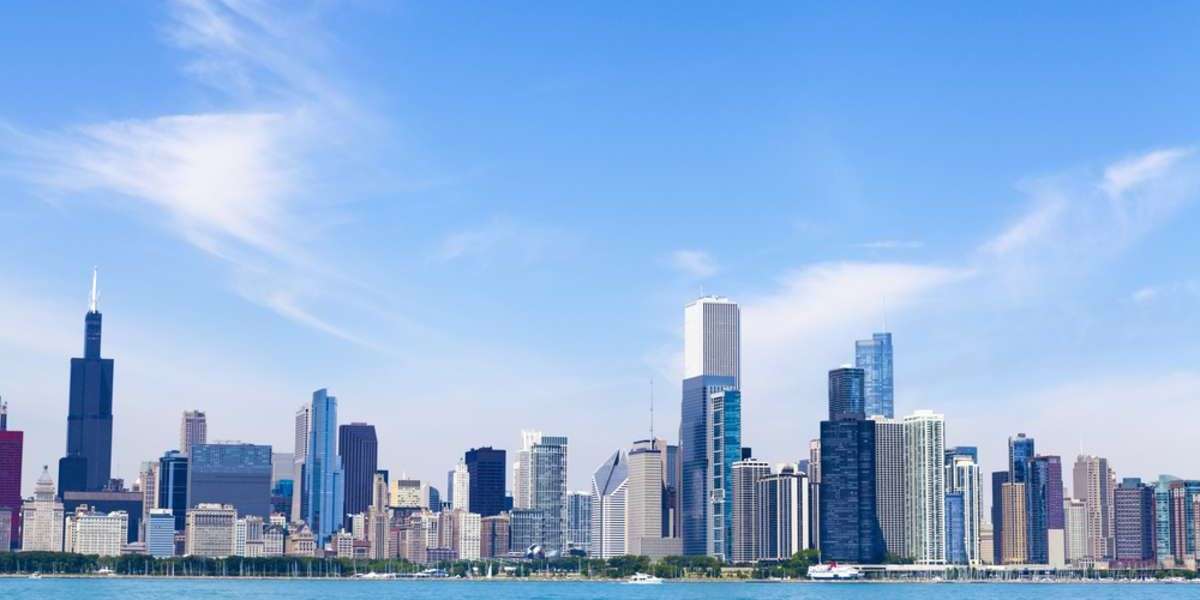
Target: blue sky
<point>468,219</point>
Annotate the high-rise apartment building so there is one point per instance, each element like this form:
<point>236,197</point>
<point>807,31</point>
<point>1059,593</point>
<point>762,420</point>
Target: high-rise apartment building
<point>90,532</point>
<point>1015,544</point>
<point>579,521</point>
<point>874,357</point>
<point>548,474</point>
<point>745,524</point>
<point>323,479</point>
<point>1075,522</point>
<point>1044,503</point>
<point>522,469</point>
<point>610,493</point>
<point>725,425</point>
<point>1020,451</point>
<point>87,465</point>
<point>712,365</point>
<point>11,453</point>
<point>494,535</point>
<point>1094,483</point>
<point>486,472</point>
<point>460,487</point>
<point>1162,517</point>
<point>42,519</point>
<point>849,521</point>
<point>781,513</point>
<point>173,486</point>
<point>963,477</point>
<point>302,431</point>
<point>1183,497</point>
<point>193,429</point>
<point>1133,527</point>
<point>644,499</point>
<point>890,482</point>
<point>358,449</point>
<point>231,473</point>
<point>925,487</point>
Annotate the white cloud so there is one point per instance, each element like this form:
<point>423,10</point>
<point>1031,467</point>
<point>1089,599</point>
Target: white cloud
<point>1031,228</point>
<point>1151,293</point>
<point>1127,174</point>
<point>693,263</point>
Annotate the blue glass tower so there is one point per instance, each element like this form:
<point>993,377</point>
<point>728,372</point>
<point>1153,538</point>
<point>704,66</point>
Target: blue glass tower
<point>956,549</point>
<point>846,400</point>
<point>1020,452</point>
<point>172,486</point>
<point>1044,505</point>
<point>726,426</point>
<point>849,521</point>
<point>323,470</point>
<point>874,357</point>
<point>695,459</point>
<point>87,465</point>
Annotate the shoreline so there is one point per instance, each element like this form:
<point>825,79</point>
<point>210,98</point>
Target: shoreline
<point>90,576</point>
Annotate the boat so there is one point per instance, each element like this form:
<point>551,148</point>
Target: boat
<point>105,571</point>
<point>35,575</point>
<point>833,571</point>
<point>374,575</point>
<point>643,579</point>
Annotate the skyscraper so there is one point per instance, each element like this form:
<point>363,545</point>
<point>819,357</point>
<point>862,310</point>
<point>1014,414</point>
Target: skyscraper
<point>193,429</point>
<point>522,469</point>
<point>11,452</point>
<point>782,514</point>
<point>173,486</point>
<point>644,500</point>
<point>485,468</point>
<point>610,492</point>
<point>890,482</point>
<point>925,487</point>
<point>725,426</point>
<point>1044,503</point>
<point>579,521</point>
<point>1075,526</point>
<point>963,477</point>
<point>548,474</point>
<point>303,431</point>
<point>1020,451</point>
<point>1134,523</point>
<point>712,365</point>
<point>745,525</point>
<point>1015,546</point>
<point>874,357</point>
<point>1162,516</point>
<point>1094,485</point>
<point>1184,495</point>
<point>359,451</point>
<point>999,478</point>
<point>87,465</point>
<point>231,473</point>
<point>849,521</point>
<point>460,487</point>
<point>956,551</point>
<point>323,481</point>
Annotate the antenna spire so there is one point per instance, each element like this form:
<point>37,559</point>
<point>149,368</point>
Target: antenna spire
<point>95,298</point>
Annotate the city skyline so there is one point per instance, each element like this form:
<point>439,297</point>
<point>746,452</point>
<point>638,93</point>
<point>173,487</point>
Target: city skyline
<point>1034,283</point>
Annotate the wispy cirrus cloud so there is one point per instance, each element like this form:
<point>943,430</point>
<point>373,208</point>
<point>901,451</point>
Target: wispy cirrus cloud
<point>502,238</point>
<point>697,264</point>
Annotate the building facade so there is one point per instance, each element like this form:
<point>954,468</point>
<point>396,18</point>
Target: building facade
<point>610,489</point>
<point>42,518</point>
<point>460,487</point>
<point>160,533</point>
<point>173,486</point>
<point>963,477</point>
<point>193,429</point>
<point>486,471</point>
<point>87,465</point>
<point>1134,526</point>
<point>874,357</point>
<point>782,514</point>
<point>925,487</point>
<point>231,473</point>
<point>323,479</point>
<point>745,525</point>
<point>579,521</point>
<point>890,483</point>
<point>1094,483</point>
<point>548,471</point>
<point>210,530</point>
<point>358,449</point>
<point>91,532</point>
<point>1044,504</point>
<point>11,453</point>
<point>644,499</point>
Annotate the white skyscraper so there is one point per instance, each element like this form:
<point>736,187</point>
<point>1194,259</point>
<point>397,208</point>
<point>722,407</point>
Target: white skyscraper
<point>460,483</point>
<point>193,429</point>
<point>925,488</point>
<point>1076,521</point>
<point>891,484</point>
<point>745,527</point>
<point>1095,485</point>
<point>42,519</point>
<point>522,482</point>
<point>303,429</point>
<point>644,500</point>
<point>712,338</point>
<point>610,486</point>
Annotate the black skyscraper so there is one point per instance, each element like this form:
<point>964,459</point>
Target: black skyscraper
<point>360,456</point>
<point>849,522</point>
<point>486,467</point>
<point>88,463</point>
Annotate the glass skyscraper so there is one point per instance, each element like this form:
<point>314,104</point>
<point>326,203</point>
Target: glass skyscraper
<point>874,357</point>
<point>486,467</point>
<point>1044,503</point>
<point>323,470</point>
<point>696,458</point>
<point>846,400</point>
<point>359,451</point>
<point>956,549</point>
<point>236,474</point>
<point>548,464</point>
<point>172,486</point>
<point>849,519</point>
<point>88,462</point>
<point>1020,451</point>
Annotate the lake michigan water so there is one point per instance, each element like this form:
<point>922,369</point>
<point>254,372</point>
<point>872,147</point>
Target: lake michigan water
<point>145,589</point>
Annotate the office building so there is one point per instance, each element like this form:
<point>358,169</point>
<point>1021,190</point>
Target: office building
<point>526,533</point>
<point>846,399</point>
<point>671,494</point>
<point>925,487</point>
<point>323,480</point>
<point>1094,483</point>
<point>302,431</point>
<point>874,357</point>
<point>210,530</point>
<point>493,536</point>
<point>644,499</point>
<point>359,452</point>
<point>1184,495</point>
<point>231,473</point>
<point>610,488</point>
<point>1133,526</point>
<point>486,472</point>
<point>955,511</point>
<point>849,519</point>
<point>548,474</point>
<point>1015,544</point>
<point>999,478</point>
<point>460,487</point>
<point>109,501</point>
<point>579,521</point>
<point>814,494</point>
<point>160,533</point>
<point>781,513</point>
<point>712,365</point>
<point>91,532</point>
<point>890,482</point>
<point>42,518</point>
<point>406,493</point>
<point>1162,517</point>
<point>87,465</point>
<point>147,483</point>
<point>1076,534</point>
<point>173,486</point>
<point>522,479</point>
<point>1044,506</point>
<point>987,544</point>
<point>193,429</point>
<point>745,525</point>
<point>459,531</point>
<point>963,477</point>
<point>11,453</point>
<point>1020,451</point>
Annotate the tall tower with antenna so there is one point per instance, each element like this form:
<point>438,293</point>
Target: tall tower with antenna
<point>87,465</point>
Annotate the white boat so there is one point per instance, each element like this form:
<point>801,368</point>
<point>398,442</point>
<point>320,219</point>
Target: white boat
<point>374,575</point>
<point>643,579</point>
<point>833,571</point>
<point>105,571</point>
<point>35,575</point>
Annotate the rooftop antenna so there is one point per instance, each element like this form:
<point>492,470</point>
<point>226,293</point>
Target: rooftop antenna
<point>95,296</point>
